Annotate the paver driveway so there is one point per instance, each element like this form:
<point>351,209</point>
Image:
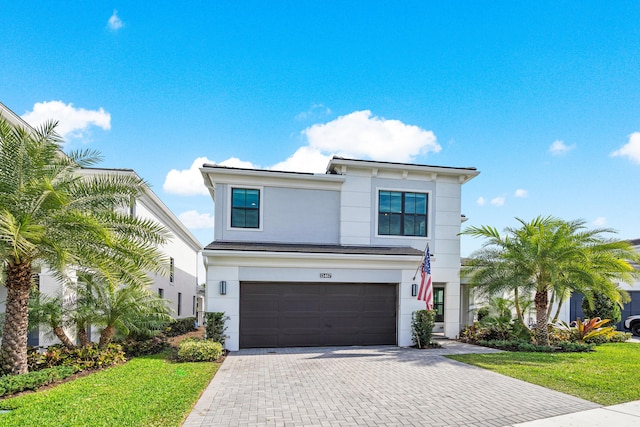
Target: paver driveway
<point>369,386</point>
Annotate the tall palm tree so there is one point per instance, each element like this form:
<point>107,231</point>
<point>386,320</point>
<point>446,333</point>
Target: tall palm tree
<point>53,213</point>
<point>549,257</point>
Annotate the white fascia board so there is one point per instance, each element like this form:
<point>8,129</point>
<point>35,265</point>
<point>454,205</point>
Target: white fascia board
<point>305,259</point>
<point>215,175</point>
<point>13,118</point>
<point>155,205</point>
<point>430,172</point>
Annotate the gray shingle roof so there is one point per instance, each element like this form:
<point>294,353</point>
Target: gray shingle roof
<point>312,248</point>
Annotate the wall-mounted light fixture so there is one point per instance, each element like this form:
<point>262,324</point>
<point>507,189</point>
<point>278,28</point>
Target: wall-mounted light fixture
<point>414,289</point>
<point>223,287</point>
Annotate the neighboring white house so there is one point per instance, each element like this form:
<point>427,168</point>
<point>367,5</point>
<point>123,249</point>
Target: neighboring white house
<point>181,287</point>
<point>304,259</point>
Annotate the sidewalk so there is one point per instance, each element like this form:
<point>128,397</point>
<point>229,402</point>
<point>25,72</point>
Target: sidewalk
<point>624,415</point>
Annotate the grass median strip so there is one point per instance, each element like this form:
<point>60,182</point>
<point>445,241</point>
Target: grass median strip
<point>146,391</point>
<point>608,376</point>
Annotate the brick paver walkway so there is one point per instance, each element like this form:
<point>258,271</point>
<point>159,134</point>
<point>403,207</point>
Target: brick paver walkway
<point>369,386</point>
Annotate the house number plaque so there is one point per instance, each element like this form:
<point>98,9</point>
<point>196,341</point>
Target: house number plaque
<point>325,275</point>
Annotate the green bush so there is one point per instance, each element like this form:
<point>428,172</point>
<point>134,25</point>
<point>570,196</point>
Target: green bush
<point>140,346</point>
<point>603,308</point>
<point>517,345</point>
<point>90,357</point>
<point>575,347</point>
<point>614,337</point>
<point>422,325</point>
<point>181,327</point>
<point>11,384</point>
<point>195,350</point>
<point>215,327</point>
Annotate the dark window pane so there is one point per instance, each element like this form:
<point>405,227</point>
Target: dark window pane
<point>252,199</point>
<point>409,225</point>
<point>237,217</point>
<point>383,223</point>
<point>252,218</point>
<point>396,202</point>
<point>421,225</point>
<point>395,225</point>
<point>410,203</point>
<point>421,204</point>
<point>238,196</point>
<point>384,202</point>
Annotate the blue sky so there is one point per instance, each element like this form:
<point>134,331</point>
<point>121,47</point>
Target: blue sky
<point>543,98</point>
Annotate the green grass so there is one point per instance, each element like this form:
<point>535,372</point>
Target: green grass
<point>146,391</point>
<point>608,376</point>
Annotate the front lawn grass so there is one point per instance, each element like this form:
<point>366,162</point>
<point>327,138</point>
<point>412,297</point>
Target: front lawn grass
<point>608,376</point>
<point>146,391</point>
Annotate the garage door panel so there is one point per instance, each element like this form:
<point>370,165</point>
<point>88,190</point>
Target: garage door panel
<point>300,314</point>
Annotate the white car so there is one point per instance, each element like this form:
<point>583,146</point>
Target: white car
<point>632,323</point>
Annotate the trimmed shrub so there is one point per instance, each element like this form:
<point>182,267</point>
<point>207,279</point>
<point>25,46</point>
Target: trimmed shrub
<point>12,384</point>
<point>614,337</point>
<point>516,345</point>
<point>90,357</point>
<point>138,346</point>
<point>422,324</point>
<point>215,327</point>
<point>195,350</point>
<point>181,327</point>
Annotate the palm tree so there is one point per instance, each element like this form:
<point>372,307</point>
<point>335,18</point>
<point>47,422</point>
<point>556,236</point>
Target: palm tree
<point>52,212</point>
<point>118,307</point>
<point>550,257</point>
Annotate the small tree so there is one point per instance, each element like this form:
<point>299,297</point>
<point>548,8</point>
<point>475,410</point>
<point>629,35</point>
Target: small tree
<point>422,325</point>
<point>600,305</point>
<point>215,327</point>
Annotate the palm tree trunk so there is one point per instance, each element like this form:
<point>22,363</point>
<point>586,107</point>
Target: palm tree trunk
<point>106,336</point>
<point>63,337</point>
<point>13,351</point>
<point>516,303</point>
<point>83,338</point>
<point>542,331</point>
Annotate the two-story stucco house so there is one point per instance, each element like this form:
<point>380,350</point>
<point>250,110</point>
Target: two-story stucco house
<point>304,259</point>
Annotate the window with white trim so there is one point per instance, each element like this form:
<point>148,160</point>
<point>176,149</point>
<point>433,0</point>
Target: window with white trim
<point>402,213</point>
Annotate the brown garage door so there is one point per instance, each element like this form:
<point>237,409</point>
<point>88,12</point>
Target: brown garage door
<point>310,314</point>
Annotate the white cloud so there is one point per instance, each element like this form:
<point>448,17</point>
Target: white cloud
<point>316,110</point>
<point>189,182</point>
<point>631,149</point>
<point>115,23</point>
<point>600,221</point>
<point>356,135</point>
<point>196,220</point>
<point>497,201</point>
<point>481,201</point>
<point>559,148</point>
<point>521,193</point>
<point>72,122</point>
<point>305,159</point>
<point>361,135</point>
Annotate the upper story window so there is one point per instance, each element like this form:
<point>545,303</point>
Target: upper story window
<point>402,213</point>
<point>245,208</point>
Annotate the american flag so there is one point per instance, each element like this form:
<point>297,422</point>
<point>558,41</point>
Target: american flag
<point>425,293</point>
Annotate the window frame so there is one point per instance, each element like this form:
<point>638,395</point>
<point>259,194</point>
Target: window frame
<point>404,191</point>
<point>437,289</point>
<point>229,210</point>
